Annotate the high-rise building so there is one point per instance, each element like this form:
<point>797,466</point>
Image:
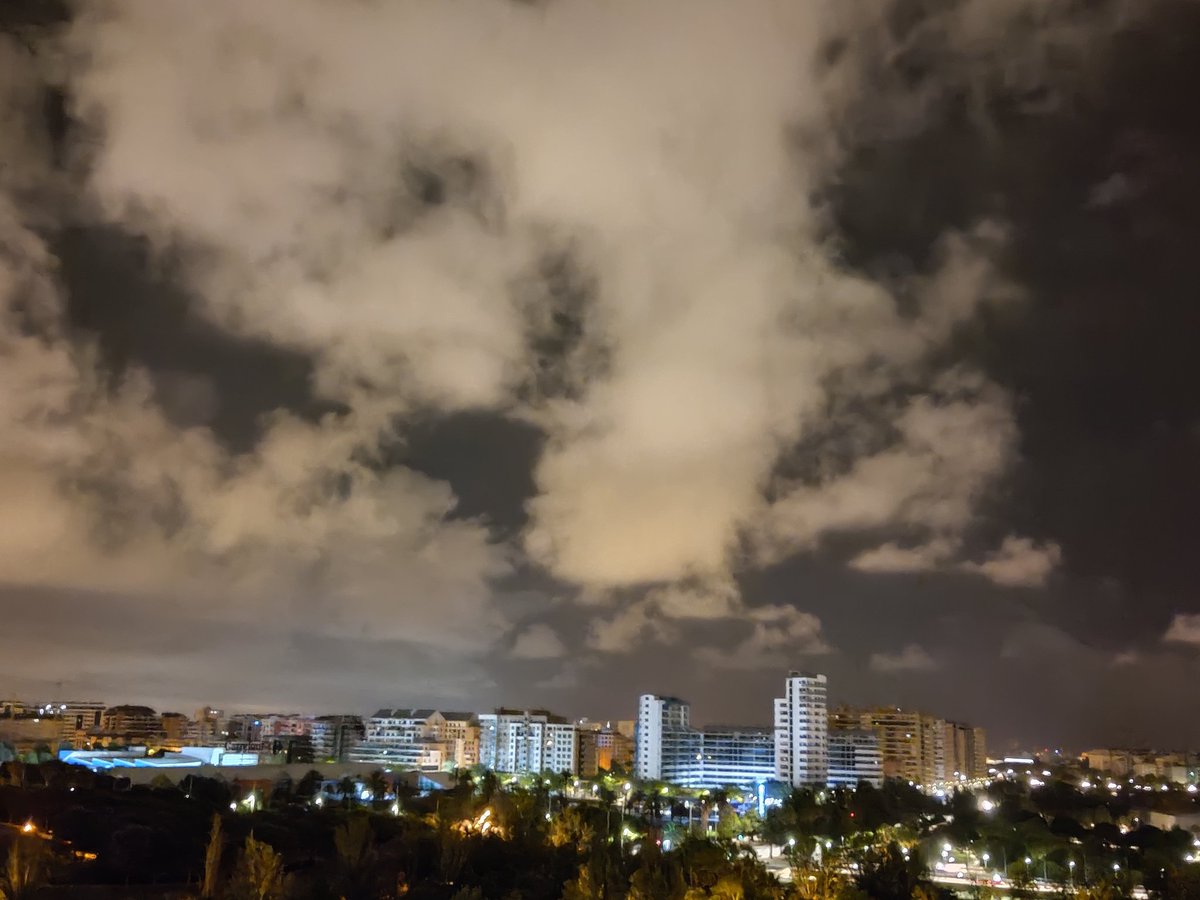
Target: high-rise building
<point>666,747</point>
<point>801,731</point>
<point>965,755</point>
<point>979,764</point>
<point>916,746</point>
<point>854,757</point>
<point>529,741</point>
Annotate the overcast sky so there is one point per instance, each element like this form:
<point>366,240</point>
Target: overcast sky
<point>372,353</point>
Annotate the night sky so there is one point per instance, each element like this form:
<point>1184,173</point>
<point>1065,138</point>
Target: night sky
<point>370,353</point>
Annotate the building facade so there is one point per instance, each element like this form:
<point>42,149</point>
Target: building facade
<point>854,757</point>
<point>530,741</point>
<point>965,752</point>
<point>919,747</point>
<point>802,731</point>
<point>425,738</point>
<point>740,755</point>
<point>131,724</point>
<point>333,737</point>
<point>666,747</point>
<point>603,748</point>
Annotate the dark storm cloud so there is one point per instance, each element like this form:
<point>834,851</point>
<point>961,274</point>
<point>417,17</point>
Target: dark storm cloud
<point>1102,224</point>
<point>140,316</point>
<point>545,359</point>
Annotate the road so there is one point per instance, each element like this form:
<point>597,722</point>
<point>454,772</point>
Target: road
<point>953,875</point>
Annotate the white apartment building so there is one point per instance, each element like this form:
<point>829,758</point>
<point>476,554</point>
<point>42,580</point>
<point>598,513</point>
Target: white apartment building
<point>423,738</point>
<point>666,747</point>
<point>530,741</point>
<point>802,731</point>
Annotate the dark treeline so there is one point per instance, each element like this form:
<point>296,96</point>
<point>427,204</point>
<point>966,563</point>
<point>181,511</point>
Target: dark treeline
<point>69,833</point>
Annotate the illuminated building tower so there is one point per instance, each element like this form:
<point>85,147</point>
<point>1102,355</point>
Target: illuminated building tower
<point>802,730</point>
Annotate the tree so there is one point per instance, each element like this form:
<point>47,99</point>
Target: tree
<point>571,828</point>
<point>487,784</point>
<point>24,869</point>
<point>357,876</point>
<point>888,874</point>
<point>212,860</point>
<point>729,824</point>
<point>584,887</point>
<point>378,786</point>
<point>309,784</point>
<point>347,787</point>
<point>259,874</point>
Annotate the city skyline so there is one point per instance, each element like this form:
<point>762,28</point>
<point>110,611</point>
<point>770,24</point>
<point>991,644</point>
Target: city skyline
<point>562,352</point>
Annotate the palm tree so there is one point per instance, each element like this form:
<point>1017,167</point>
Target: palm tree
<point>377,784</point>
<point>347,787</point>
<point>212,860</point>
<point>24,870</point>
<point>488,785</point>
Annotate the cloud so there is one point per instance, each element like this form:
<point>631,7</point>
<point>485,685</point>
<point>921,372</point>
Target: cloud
<point>475,207</point>
<point>1184,629</point>
<point>661,613</point>
<point>105,493</point>
<point>390,227</point>
<point>538,641</point>
<point>950,445</point>
<point>566,679</point>
<point>779,635</point>
<point>622,631</point>
<point>1019,562</point>
<point>892,558</point>
<point>912,658</point>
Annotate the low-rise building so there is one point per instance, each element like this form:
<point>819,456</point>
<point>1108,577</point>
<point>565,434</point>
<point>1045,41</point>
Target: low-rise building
<point>131,724</point>
<point>602,748</point>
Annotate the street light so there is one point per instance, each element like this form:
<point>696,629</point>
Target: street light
<point>1071,868</point>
